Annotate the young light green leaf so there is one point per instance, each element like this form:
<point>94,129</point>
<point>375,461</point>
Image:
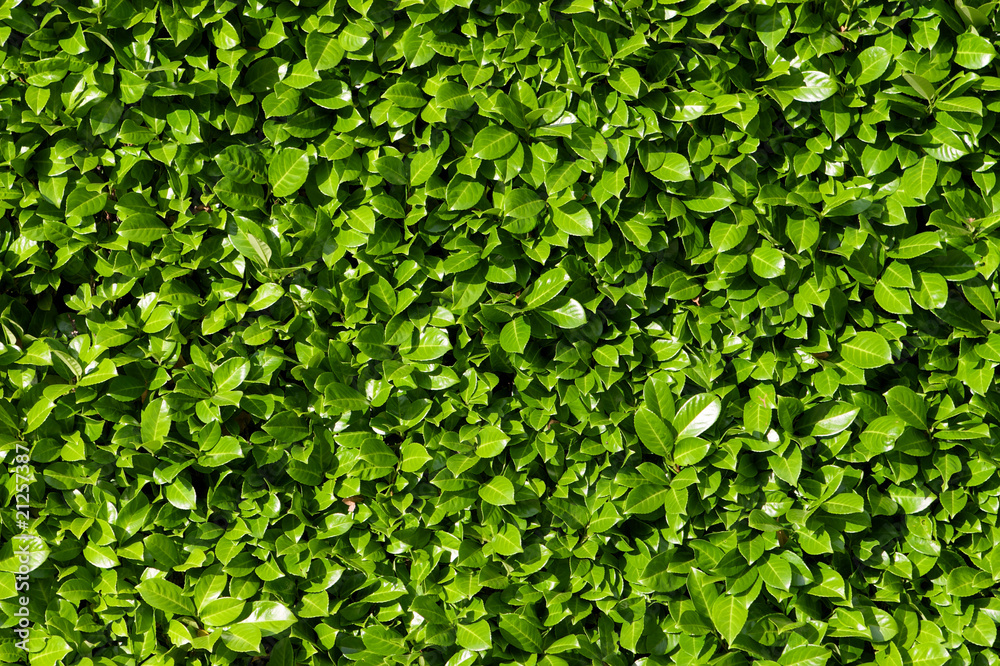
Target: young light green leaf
<point>155,422</point>
<point>827,419</point>
<point>907,405</point>
<point>844,503</point>
<point>776,572</point>
<point>646,498</point>
<point>920,178</point>
<point>729,616</point>
<point>767,262</point>
<point>973,51</point>
<point>564,312</point>
<point>928,654</point>
<point>521,633</point>
<point>430,344</point>
<point>498,492</point>
<point>675,168</point>
<point>574,219</point>
<point>696,415</point>
<point>545,288</point>
<point>867,350</point>
<point>288,171</point>
<point>269,617</point>
<point>508,541</point>
<point>814,87</point>
<point>84,201</point>
<point>805,655</point>
<point>515,335</point>
<point>522,203</point>
<point>475,636</point>
<point>653,432</point>
<point>870,65</point>
<point>463,193</point>
<point>323,51</point>
<point>230,374</point>
<point>493,142</point>
<point>222,611</point>
<point>165,596</point>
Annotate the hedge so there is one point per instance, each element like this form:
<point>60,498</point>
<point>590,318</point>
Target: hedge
<point>574,332</point>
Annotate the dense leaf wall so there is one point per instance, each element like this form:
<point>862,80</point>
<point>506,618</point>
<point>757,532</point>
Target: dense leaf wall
<point>445,332</point>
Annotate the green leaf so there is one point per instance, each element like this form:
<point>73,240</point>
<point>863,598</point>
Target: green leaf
<point>492,143</point>
<point>241,164</point>
<point>805,655</point>
<point>165,596</point>
<point>142,229</point>
<point>288,172</point>
<point>498,492</point>
<point>573,219</point>
<point>776,572</point>
<point>522,203</point>
<point>269,617</point>
<point>515,336</point>
<point>896,301</point>
<point>240,638</point>
<point>659,397</point>
<point>690,451</point>
<point>155,423</point>
<point>827,419</point>
<point>917,245</point>
<point>712,197</point>
<point>867,350</point>
<point>967,582</point>
<point>475,636</point>
<point>919,179</point>
<point>231,374</point>
<point>323,51</point>
<point>429,345</point>
<point>844,503</point>
<point>768,263</point>
<point>287,426</point>
<point>249,240</point>
<point>38,414</point>
<point>973,51</point>
<point>870,65</point>
<point>645,499</point>
<point>564,312</point>
<point>653,432</point>
<point>405,95</point>
<point>561,177</point>
<point>696,415</point>
<point>928,654</point>
<point>508,541</point>
<point>626,81</point>
<point>341,399</point>
<point>454,96</point>
<point>803,232</point>
<point>222,611</point>
<point>545,288</point>
<point>520,633</point>
<point>423,164</point>
<point>84,201</point>
<point>675,168</point>
<point>905,404</point>
<point>812,86</point>
<point>729,616</point>
<point>239,196</point>
<point>463,193</point>
<point>921,85</point>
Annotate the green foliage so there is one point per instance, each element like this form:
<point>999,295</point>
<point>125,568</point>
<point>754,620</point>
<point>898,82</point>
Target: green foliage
<point>442,333</point>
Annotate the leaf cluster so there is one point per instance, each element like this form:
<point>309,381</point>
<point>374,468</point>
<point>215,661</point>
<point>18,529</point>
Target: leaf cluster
<point>560,333</point>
